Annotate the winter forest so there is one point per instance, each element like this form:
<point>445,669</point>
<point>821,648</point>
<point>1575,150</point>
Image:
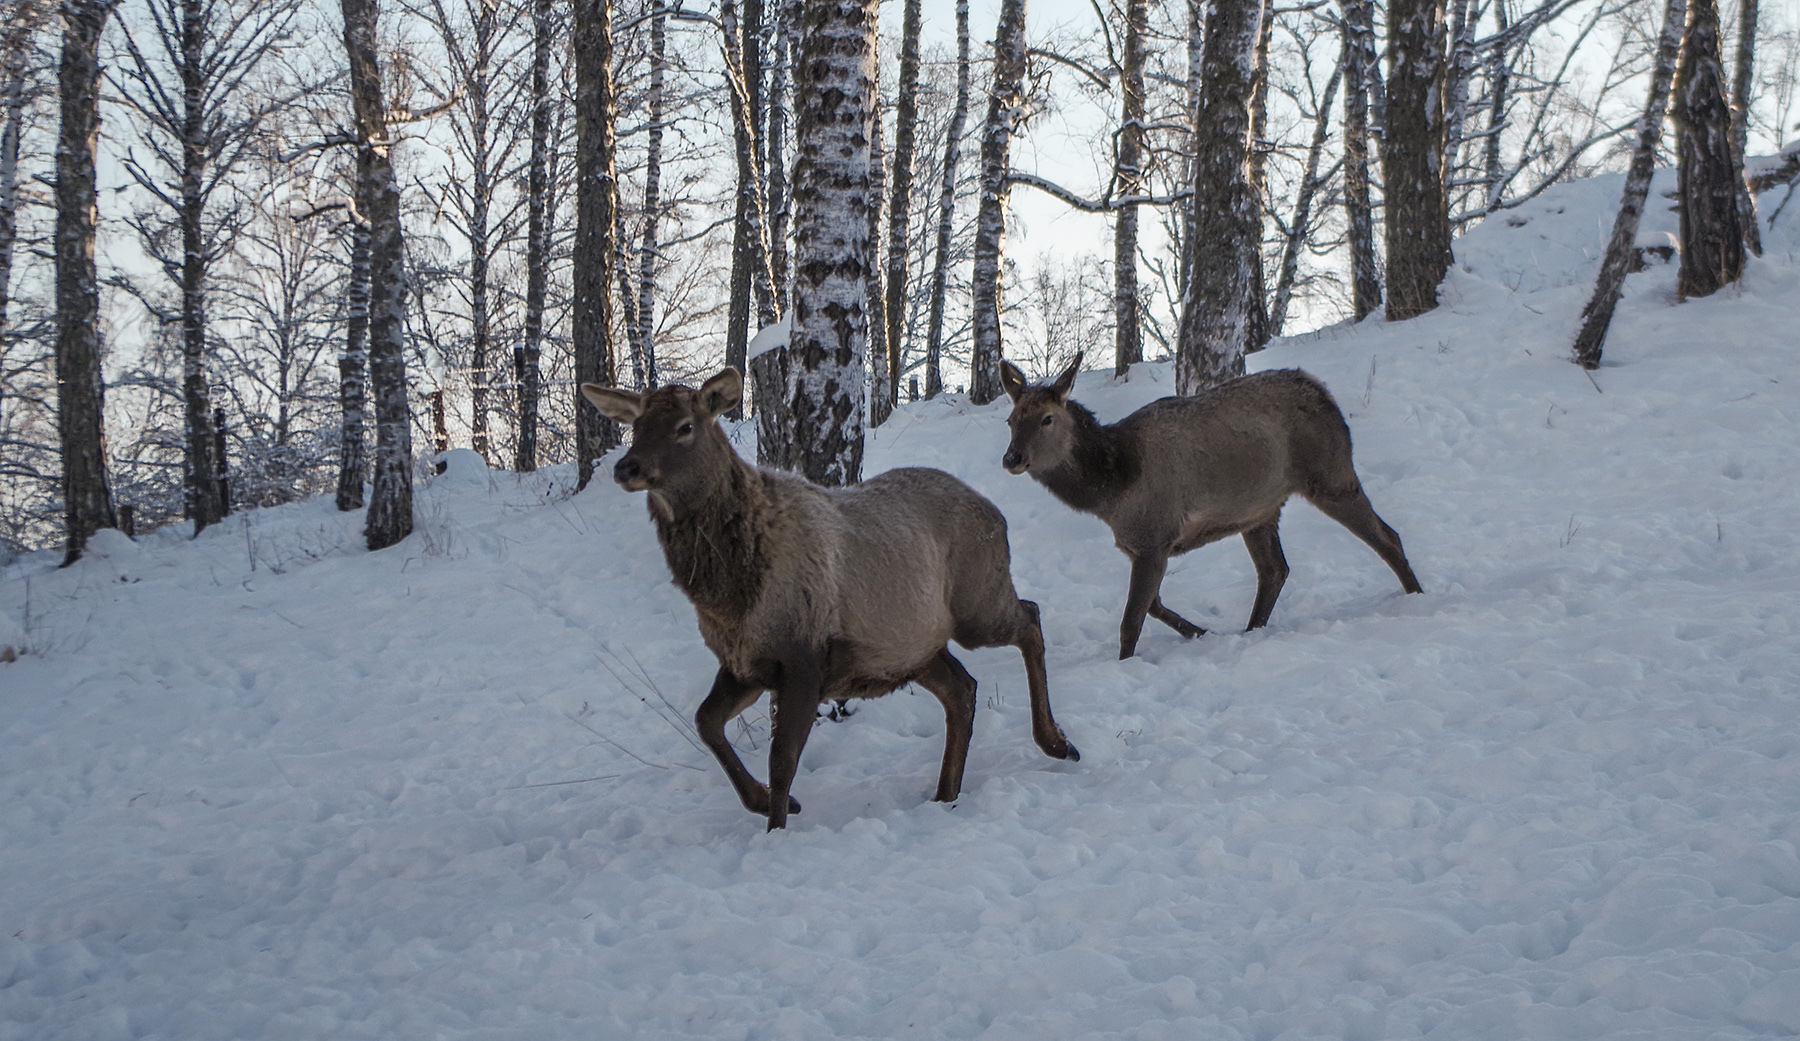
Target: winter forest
<point>251,252</point>
<point>348,691</point>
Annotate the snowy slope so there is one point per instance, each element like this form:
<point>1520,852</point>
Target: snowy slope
<point>266,785</point>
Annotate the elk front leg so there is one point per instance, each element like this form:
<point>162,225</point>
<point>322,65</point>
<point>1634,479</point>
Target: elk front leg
<point>1146,584</point>
<point>1264,544</point>
<point>729,697</point>
<point>796,704</point>
<point>946,678</point>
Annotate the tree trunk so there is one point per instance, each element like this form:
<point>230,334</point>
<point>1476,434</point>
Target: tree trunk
<point>835,95</point>
<point>1412,158</point>
<point>643,347</point>
<point>1196,35</point>
<point>1742,82</point>
<point>15,64</point>
<point>1712,235</point>
<point>899,206</point>
<point>1621,248</point>
<point>1128,178</point>
<point>1499,96</point>
<point>1459,70</point>
<point>537,237</point>
<point>353,360</point>
<point>1359,216</point>
<point>882,361</point>
<point>749,247</point>
<point>390,517</point>
<point>940,271</point>
<point>1301,224</point>
<point>81,395</point>
<point>787,15</point>
<point>201,463</point>
<point>1256,142</point>
<point>1006,112</point>
<point>1226,245</point>
<point>481,248</point>
<point>596,203</point>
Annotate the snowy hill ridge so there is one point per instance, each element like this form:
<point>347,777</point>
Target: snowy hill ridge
<point>264,784</point>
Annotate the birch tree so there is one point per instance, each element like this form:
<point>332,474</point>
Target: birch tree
<point>81,394</point>
<point>946,210</point>
<point>1006,113</point>
<point>900,191</point>
<point>1621,248</point>
<point>1742,78</point>
<point>186,83</point>
<point>527,363</point>
<point>1412,158</point>
<point>596,203</point>
<point>835,100</point>
<point>1360,72</point>
<point>1128,335</point>
<point>390,517</point>
<point>1712,234</point>
<point>1226,245</point>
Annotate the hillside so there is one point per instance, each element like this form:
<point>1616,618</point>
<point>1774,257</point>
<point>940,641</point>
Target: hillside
<point>264,784</point>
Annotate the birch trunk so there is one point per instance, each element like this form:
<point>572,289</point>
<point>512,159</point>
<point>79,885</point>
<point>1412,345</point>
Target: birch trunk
<point>389,519</point>
<point>1196,12</point>
<point>899,205</point>
<point>1301,224</point>
<point>200,472</point>
<point>1128,178</point>
<point>1359,216</point>
<point>1412,158</point>
<point>1459,70</point>
<point>940,271</point>
<point>481,248</point>
<point>643,347</point>
<point>1226,243</point>
<point>835,95</point>
<point>777,207</point>
<point>537,237</point>
<point>353,360</point>
<point>1006,112</point>
<point>1500,90</point>
<point>15,74</point>
<point>1712,234</point>
<point>81,395</point>
<point>742,63</point>
<point>1742,80</point>
<point>1621,249</point>
<point>596,208</point>
<point>882,362</point>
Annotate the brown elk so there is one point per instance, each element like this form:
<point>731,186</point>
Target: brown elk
<point>823,593</point>
<point>1185,471</point>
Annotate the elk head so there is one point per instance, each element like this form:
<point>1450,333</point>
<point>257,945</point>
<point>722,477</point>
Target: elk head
<point>677,450</point>
<point>1043,431</point>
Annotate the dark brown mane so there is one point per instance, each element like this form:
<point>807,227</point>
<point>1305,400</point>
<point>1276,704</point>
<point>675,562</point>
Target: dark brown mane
<point>1100,466</point>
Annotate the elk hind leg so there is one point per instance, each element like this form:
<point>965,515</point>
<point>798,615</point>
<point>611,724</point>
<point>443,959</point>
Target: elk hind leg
<point>946,678</point>
<point>1354,512</point>
<point>1044,731</point>
<point>1264,544</point>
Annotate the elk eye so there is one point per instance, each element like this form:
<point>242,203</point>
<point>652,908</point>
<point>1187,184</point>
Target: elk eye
<point>684,429</point>
<point>1048,420</point>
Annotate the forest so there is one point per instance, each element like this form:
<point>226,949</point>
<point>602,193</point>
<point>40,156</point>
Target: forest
<point>257,250</point>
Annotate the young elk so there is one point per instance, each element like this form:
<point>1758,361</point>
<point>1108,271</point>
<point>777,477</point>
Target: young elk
<point>1185,471</point>
<point>820,593</point>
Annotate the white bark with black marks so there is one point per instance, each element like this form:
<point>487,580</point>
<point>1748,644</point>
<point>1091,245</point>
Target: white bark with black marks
<point>1006,113</point>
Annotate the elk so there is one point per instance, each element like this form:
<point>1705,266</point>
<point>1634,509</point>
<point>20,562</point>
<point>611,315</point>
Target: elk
<point>1182,472</point>
<point>822,593</point>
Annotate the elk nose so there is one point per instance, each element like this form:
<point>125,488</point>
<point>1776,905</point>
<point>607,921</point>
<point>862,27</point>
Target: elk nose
<point>1012,460</point>
<point>627,471</point>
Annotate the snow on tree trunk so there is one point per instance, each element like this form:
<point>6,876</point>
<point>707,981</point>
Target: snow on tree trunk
<point>537,238</point>
<point>596,203</point>
<point>1412,158</point>
<point>1128,177</point>
<point>1712,234</point>
<point>899,205</point>
<point>1621,248</point>
<point>835,99</point>
<point>353,360</point>
<point>81,404</point>
<point>390,500</point>
<point>1225,248</point>
<point>1359,73</point>
<point>1006,112</point>
<point>940,270</point>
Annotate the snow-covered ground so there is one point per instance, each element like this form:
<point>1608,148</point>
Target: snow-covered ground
<point>266,785</point>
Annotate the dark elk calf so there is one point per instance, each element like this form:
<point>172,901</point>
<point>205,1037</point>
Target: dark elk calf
<point>820,593</point>
<point>1185,471</point>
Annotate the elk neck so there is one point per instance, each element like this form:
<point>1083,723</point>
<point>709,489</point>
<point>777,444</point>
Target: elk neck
<point>1102,464</point>
<point>714,542</point>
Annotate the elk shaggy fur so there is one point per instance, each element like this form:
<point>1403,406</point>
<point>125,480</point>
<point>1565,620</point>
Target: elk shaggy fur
<point>823,593</point>
<point>1182,472</point>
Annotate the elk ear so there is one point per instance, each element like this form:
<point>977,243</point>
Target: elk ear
<point>1065,383</point>
<point>1011,379</point>
<point>721,393</point>
<point>623,406</point>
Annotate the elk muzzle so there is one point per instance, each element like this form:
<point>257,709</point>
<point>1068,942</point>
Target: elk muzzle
<point>1014,461</point>
<point>631,474</point>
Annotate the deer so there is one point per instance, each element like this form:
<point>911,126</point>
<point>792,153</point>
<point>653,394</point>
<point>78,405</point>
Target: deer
<point>1182,472</point>
<point>817,593</point>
